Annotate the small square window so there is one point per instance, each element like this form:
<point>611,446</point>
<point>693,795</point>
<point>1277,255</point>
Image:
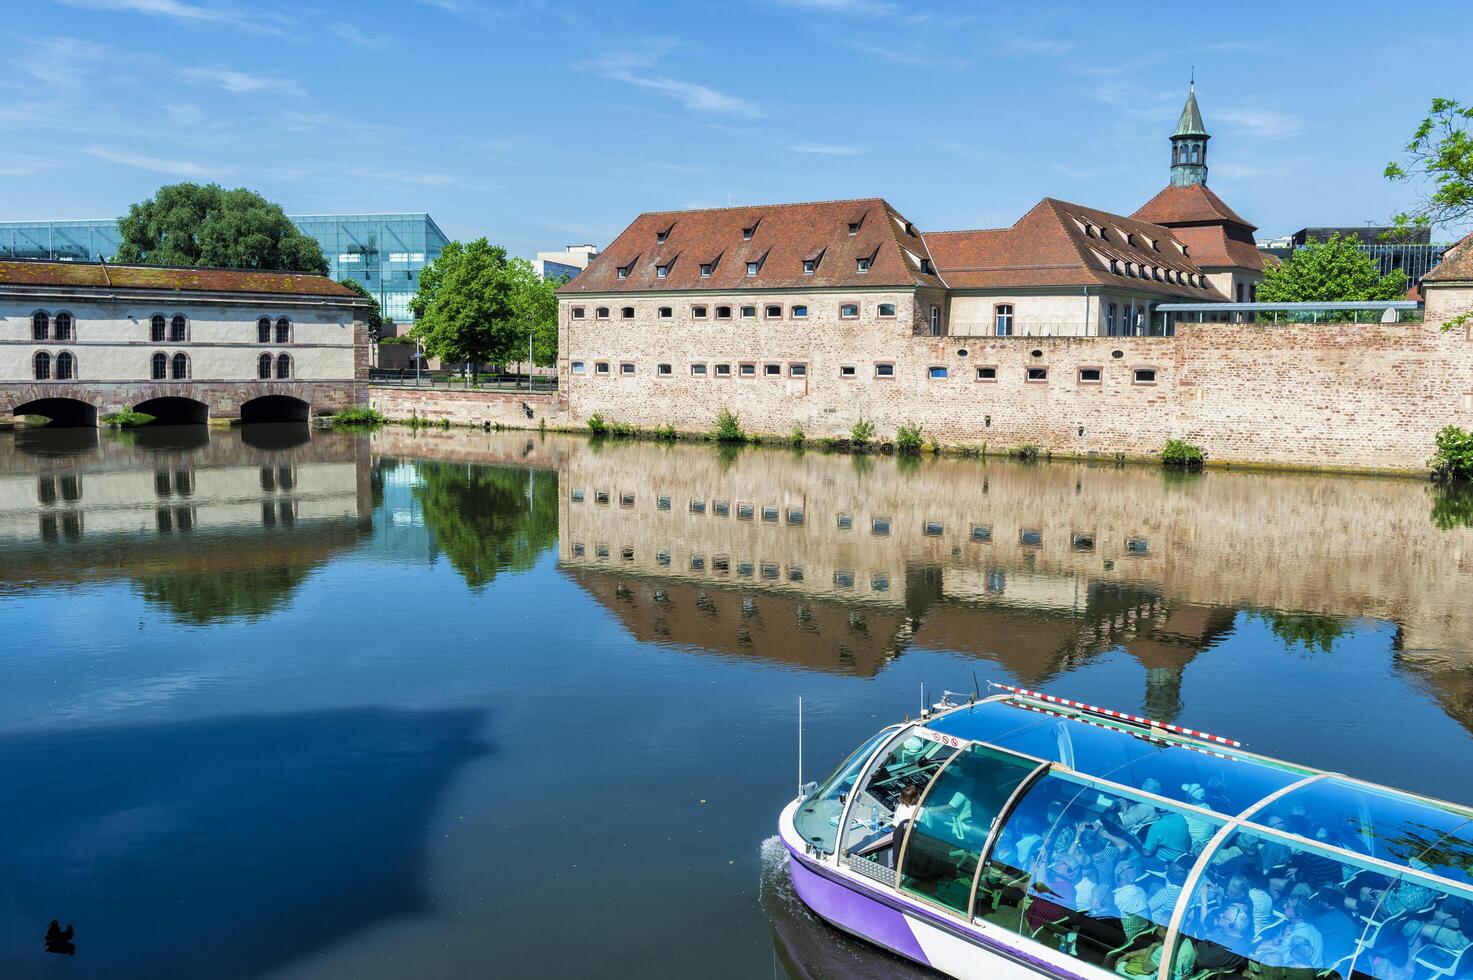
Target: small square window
<point>773,312</point>
<point>623,272</point>
<point>1037,374</point>
<point>706,270</point>
<point>846,522</point>
<point>747,233</point>
<point>769,515</point>
<point>698,370</point>
<point>926,266</point>
<point>662,557</point>
<point>797,370</point>
<point>747,370</point>
<point>697,506</point>
<point>933,529</point>
<point>627,313</point>
<point>981,532</point>
<point>663,370</point>
<point>800,313</point>
<point>752,268</point>
<point>744,511</point>
<point>601,367</point>
<point>723,313</point>
<point>1082,541</point>
<point>661,236</point>
<point>749,313</point>
<point>854,227</point>
<point>626,499</point>
<point>847,371</point>
<point>861,265</point>
<point>662,271</point>
<point>626,367</point>
<point>602,313</point>
<point>795,516</point>
<point>809,265</point>
<point>666,312</point>
<point>723,370</point>
<point>844,580</point>
<point>937,372</point>
<point>884,370</point>
<point>576,367</point>
<point>662,502</point>
<point>698,313</point>
<point>885,310</point>
<point>987,374</point>
<point>576,495</point>
<point>772,370</point>
<point>1089,375</point>
<point>880,526</point>
<point>849,311</point>
<point>721,508</point>
<point>577,313</point>
<point>1145,376</point>
<point>600,496</point>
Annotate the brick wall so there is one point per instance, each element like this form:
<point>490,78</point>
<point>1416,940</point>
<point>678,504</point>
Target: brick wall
<point>464,407</point>
<point>1364,396</point>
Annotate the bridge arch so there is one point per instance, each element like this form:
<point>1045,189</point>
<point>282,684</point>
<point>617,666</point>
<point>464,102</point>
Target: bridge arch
<point>63,412</point>
<point>175,410</point>
<point>275,408</point>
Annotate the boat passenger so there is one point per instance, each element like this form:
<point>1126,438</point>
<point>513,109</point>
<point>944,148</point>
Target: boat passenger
<point>1147,962</point>
<point>1222,950</point>
<point>1392,964</point>
<point>1199,828</point>
<point>1134,816</point>
<point>1339,930</point>
<point>1443,928</point>
<point>905,810</point>
<point>1169,838</point>
<point>1272,852</point>
<point>1405,895</point>
<point>1164,901</point>
<point>1248,887</point>
<point>1299,945</point>
<point>1130,901</point>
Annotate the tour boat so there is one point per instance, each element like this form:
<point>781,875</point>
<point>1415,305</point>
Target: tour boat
<point>1050,837</point>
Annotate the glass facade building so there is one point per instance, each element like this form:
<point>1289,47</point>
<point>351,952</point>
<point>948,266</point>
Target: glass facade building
<point>385,252</point>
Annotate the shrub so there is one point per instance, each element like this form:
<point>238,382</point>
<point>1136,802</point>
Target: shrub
<point>728,427</point>
<point>665,433</point>
<point>359,415</point>
<point>797,438</point>
<point>622,430</point>
<point>597,425</point>
<point>908,439</point>
<point>1179,452</point>
<point>126,419</point>
<point>405,339</point>
<point>1026,451</point>
<point>1452,505</point>
<point>862,432</point>
<point>829,443</point>
<point>1454,457</point>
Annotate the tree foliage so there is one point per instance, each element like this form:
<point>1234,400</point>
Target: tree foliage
<point>1336,271</point>
<point>206,225</point>
<point>374,318</point>
<point>1311,631</point>
<point>1439,157</point>
<point>1453,460</point>
<point>475,303</point>
<point>488,519</point>
<point>201,598</point>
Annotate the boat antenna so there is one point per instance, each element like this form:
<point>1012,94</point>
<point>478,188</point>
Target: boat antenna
<point>924,712</point>
<point>976,688</point>
<point>800,745</point>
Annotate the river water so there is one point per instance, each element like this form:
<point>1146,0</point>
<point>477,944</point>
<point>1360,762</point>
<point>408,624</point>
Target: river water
<point>448,703</point>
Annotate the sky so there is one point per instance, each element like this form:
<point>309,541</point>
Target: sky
<point>540,124</point>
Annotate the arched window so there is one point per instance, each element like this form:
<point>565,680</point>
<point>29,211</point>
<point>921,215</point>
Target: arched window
<point>156,328</point>
<point>66,366</point>
<point>263,367</point>
<point>1196,151</point>
<point>40,325</point>
<point>43,366</point>
<point>283,331</point>
<point>160,365</point>
<point>284,366</point>
<point>63,326</point>
<point>1003,313</point>
<point>181,366</point>
<point>263,330</point>
<point>178,329</point>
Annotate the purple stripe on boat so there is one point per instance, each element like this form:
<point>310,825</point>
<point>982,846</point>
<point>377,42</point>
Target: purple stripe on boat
<point>847,908</point>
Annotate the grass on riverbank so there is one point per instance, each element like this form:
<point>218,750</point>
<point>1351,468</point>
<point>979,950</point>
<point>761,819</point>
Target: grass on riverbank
<point>126,419</point>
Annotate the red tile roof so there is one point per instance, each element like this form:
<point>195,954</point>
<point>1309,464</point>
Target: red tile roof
<point>1063,244</point>
<point>1212,246</point>
<point>783,236</point>
<point>1456,264</point>
<point>94,275</point>
<point>1192,204</point>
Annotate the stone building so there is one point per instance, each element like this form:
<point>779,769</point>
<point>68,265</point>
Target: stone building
<point>82,339</point>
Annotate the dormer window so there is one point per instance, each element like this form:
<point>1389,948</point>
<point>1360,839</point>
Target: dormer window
<point>861,265</point>
<point>752,268</point>
<point>661,237</point>
<point>854,227</point>
<point>1114,267</point>
<point>1130,239</point>
<point>810,266</point>
<point>624,272</point>
<point>706,268</point>
<point>750,230</point>
<point>926,267</point>
<point>661,271</point>
<point>910,230</point>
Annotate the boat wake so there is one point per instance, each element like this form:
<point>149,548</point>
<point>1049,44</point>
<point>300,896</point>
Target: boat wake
<point>807,948</point>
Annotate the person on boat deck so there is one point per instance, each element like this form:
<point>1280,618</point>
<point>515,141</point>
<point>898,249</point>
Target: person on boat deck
<point>1299,945</point>
<point>1392,964</point>
<point>1406,895</point>
<point>1339,930</point>
<point>905,810</point>
<point>1248,887</point>
<point>1134,816</point>
<point>1443,928</point>
<point>1272,852</point>
<point>1164,901</point>
<point>1229,937</point>
<point>1147,962</point>
<point>1130,901</point>
<point>1199,828</point>
<point>1169,838</point>
<point>1098,845</point>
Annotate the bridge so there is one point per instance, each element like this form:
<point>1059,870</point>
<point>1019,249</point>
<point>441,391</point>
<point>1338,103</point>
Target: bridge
<point>83,403</point>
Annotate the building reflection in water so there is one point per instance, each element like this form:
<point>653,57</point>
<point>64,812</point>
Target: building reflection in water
<point>195,520</point>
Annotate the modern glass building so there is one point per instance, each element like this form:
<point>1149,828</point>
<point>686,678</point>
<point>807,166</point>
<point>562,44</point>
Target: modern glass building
<point>385,252</point>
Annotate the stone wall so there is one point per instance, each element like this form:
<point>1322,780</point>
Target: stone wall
<point>1358,396</point>
<point>506,408</point>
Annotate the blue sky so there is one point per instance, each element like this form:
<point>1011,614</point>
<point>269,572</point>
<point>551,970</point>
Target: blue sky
<point>540,124</point>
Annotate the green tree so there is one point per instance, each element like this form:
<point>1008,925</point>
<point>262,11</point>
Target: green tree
<point>374,318</point>
<point>1330,272</point>
<point>1440,154</point>
<point>202,598</point>
<point>488,519</point>
<point>535,300</point>
<point>466,308</point>
<point>206,225</point>
<point>1305,629</point>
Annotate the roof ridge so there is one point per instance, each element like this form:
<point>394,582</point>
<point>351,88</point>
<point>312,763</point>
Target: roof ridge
<point>1054,206</point>
<point>778,204</point>
<point>968,231</point>
<point>177,268</point>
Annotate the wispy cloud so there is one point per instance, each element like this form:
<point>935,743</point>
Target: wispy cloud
<point>407,177</point>
<point>641,69</point>
<point>58,62</point>
<point>1268,124</point>
<point>828,149</point>
<point>241,82</point>
<point>195,14</point>
<point>353,35</point>
<point>1036,46</point>
<point>868,8</point>
<point>917,57</point>
<point>163,165</point>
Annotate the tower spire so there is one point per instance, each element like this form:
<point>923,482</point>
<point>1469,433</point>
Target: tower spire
<point>1189,142</point>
